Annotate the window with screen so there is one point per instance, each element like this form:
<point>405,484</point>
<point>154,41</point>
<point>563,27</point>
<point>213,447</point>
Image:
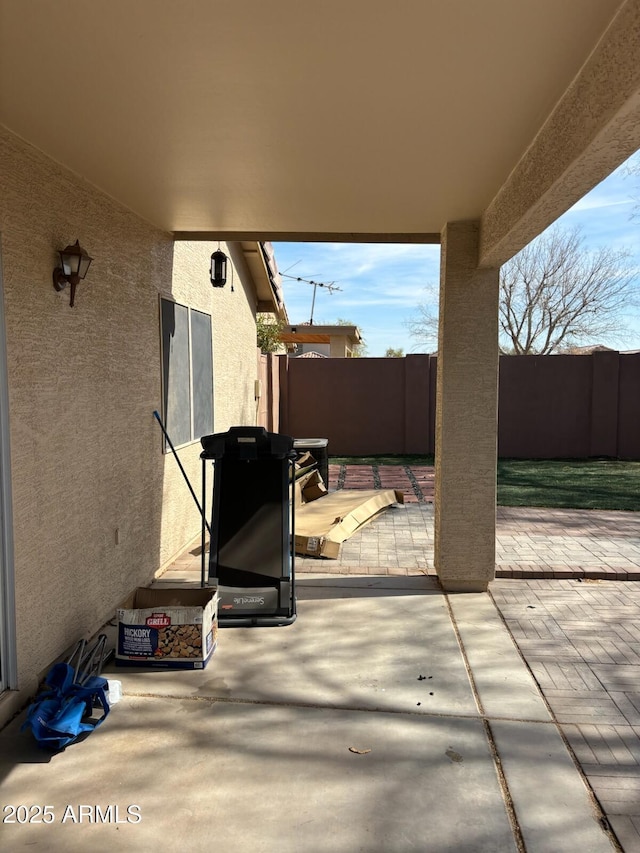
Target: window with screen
<point>187,372</point>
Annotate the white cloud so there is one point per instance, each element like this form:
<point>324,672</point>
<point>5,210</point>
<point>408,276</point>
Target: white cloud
<point>593,203</point>
<point>368,275</point>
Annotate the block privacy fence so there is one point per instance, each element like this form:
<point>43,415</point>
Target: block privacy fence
<point>550,407</point>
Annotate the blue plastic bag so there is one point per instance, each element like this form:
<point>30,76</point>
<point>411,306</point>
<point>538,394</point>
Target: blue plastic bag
<point>64,712</point>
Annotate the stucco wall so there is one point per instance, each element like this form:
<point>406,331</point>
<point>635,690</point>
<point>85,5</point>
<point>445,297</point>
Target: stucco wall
<point>234,374</point>
<point>98,508</point>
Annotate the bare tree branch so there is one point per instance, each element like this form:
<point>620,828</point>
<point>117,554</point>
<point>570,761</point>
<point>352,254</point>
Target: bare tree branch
<point>555,294</point>
<point>423,327</point>
<point>632,170</point>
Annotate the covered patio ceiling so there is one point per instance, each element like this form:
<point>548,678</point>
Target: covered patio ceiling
<point>357,120</point>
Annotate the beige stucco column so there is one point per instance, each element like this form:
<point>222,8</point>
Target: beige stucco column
<point>466,414</point>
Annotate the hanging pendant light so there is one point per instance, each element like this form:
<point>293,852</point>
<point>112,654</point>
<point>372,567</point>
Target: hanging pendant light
<point>218,271</point>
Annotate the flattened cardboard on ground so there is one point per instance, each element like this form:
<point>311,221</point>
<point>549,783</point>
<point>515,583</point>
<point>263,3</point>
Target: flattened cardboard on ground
<point>322,525</point>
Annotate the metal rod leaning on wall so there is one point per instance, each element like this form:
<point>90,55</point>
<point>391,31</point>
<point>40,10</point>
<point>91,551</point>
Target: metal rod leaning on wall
<point>184,473</point>
<point>203,566</point>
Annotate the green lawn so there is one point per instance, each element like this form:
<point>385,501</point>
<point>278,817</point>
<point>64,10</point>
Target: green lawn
<point>569,483</point>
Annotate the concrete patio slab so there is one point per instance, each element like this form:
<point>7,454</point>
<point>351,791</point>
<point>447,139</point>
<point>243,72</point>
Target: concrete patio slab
<point>246,778</point>
<point>342,651</point>
<point>505,687</point>
<point>549,798</point>
<point>355,729</point>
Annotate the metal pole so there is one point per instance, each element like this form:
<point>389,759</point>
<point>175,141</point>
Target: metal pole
<point>202,535</point>
<point>184,473</point>
<point>313,302</point>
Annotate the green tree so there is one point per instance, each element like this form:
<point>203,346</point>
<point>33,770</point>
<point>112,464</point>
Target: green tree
<point>268,330</point>
<point>394,353</point>
<point>360,350</point>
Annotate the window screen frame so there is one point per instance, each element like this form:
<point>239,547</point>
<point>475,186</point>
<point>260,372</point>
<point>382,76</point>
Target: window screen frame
<point>187,372</point>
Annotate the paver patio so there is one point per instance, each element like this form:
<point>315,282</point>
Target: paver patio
<point>530,542</point>
<point>581,641</point>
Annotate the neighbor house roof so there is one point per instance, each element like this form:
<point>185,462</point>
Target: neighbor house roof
<point>306,333</point>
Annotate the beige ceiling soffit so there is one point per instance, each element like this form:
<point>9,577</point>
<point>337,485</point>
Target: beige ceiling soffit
<point>592,130</point>
<point>305,237</point>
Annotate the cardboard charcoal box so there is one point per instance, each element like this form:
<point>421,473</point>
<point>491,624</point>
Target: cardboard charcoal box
<point>167,628</point>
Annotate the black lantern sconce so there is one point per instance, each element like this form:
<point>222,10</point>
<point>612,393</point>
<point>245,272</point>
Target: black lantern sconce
<point>74,264</point>
<point>218,268</point>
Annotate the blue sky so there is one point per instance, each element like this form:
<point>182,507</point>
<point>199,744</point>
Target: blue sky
<point>381,285</point>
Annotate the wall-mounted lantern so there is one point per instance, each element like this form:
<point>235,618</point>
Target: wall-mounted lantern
<point>74,264</point>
